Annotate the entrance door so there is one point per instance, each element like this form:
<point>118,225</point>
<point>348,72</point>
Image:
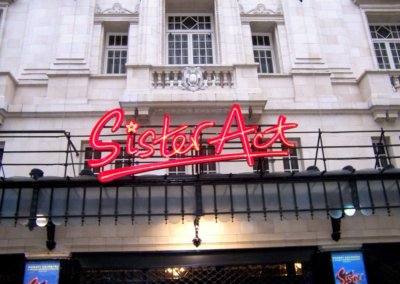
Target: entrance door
<point>277,266</point>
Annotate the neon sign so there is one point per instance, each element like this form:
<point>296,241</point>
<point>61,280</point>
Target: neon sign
<point>170,142</point>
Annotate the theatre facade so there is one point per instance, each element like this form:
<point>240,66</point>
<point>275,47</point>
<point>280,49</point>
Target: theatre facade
<point>207,141</point>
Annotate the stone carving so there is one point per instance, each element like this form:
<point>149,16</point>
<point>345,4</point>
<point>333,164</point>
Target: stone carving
<point>192,79</point>
<point>260,9</point>
<point>97,9</point>
<point>115,9</point>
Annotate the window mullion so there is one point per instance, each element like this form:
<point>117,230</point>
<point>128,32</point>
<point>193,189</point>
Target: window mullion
<point>390,55</point>
<point>273,60</point>
<point>190,48</point>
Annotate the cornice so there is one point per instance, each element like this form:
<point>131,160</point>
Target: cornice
<point>375,2</point>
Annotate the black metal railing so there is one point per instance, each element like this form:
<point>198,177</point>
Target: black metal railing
<point>312,193</point>
<point>56,154</point>
<point>152,199</point>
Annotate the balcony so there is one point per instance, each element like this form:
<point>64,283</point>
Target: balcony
<point>169,88</point>
<point>380,88</point>
<point>193,78</point>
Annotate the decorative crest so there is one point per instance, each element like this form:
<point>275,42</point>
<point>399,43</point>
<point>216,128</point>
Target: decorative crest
<point>193,79</point>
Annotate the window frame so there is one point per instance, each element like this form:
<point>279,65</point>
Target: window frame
<point>261,164</point>
<point>177,170</point>
<point>206,168</point>
<point>265,48</point>
<point>292,158</point>
<point>84,159</point>
<point>107,48</point>
<point>3,14</point>
<point>386,43</point>
<point>2,150</point>
<point>123,159</point>
<point>380,157</point>
<point>190,38</point>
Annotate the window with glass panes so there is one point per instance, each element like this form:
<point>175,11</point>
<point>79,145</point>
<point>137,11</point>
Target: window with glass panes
<point>291,162</point>
<point>123,159</point>
<point>261,164</point>
<point>208,168</point>
<point>116,53</point>
<point>190,40</point>
<point>386,41</point>
<point>90,154</point>
<point>263,53</point>
<point>178,170</point>
<point>381,146</point>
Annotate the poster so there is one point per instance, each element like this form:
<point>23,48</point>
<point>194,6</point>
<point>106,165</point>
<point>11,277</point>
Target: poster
<point>348,268</point>
<point>41,272</point>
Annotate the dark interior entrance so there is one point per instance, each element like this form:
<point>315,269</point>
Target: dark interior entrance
<point>289,265</point>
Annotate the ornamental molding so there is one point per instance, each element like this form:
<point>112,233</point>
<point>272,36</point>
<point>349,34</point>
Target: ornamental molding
<point>116,9</point>
<point>371,8</point>
<point>192,79</point>
<point>260,9</point>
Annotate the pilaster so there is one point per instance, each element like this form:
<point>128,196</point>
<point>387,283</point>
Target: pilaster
<point>73,43</point>
<point>303,32</point>
<point>7,91</point>
<point>150,33</point>
<point>227,18</point>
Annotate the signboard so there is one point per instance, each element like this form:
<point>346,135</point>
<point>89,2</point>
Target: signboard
<point>256,143</point>
<point>348,268</point>
<point>41,272</point>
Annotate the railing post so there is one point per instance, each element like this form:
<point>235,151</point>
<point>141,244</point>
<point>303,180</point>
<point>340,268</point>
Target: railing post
<point>386,146</point>
<point>322,149</point>
<point>68,151</point>
<point>199,200</point>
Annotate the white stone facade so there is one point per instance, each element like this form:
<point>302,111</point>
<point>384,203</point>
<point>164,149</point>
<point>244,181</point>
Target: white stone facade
<point>52,77</point>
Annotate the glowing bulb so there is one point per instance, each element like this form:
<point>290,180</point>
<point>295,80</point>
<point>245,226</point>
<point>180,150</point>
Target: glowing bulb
<point>349,210</point>
<point>41,221</point>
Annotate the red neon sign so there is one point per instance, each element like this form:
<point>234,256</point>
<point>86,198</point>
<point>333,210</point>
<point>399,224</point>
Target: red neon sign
<point>182,143</point>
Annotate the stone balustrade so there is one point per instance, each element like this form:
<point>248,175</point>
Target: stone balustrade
<point>192,78</point>
<point>395,80</point>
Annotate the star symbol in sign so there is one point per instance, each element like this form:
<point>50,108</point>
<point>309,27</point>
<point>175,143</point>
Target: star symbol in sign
<point>132,127</point>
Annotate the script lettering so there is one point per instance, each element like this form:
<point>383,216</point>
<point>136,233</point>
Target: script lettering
<point>175,141</point>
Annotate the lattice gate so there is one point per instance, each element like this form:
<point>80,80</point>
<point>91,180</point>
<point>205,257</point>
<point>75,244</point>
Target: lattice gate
<point>293,273</point>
